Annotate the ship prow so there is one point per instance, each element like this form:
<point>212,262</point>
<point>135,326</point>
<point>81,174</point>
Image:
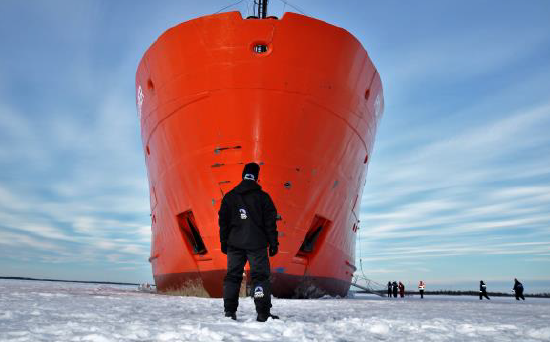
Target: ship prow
<point>296,95</point>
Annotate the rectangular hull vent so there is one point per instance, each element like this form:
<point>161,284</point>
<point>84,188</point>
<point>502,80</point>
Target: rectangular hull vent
<point>313,238</point>
<point>190,232</point>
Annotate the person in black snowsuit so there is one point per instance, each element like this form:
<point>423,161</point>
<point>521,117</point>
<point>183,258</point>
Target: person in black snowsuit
<point>518,289</point>
<point>483,290</point>
<point>247,220</point>
<point>389,289</point>
<point>394,288</point>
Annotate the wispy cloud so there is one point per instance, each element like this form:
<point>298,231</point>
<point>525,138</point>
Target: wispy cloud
<point>79,192</point>
<point>458,185</point>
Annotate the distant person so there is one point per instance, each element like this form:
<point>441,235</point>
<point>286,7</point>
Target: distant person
<point>518,289</point>
<point>483,290</point>
<point>421,288</point>
<point>401,290</point>
<point>389,289</point>
<point>394,289</point>
<point>247,220</point>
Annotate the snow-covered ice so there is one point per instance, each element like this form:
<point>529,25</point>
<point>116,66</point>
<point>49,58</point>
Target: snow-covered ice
<point>54,311</point>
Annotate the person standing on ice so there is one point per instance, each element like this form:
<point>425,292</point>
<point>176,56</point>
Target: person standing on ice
<point>389,289</point>
<point>394,288</point>
<point>518,289</point>
<point>248,228</point>
<point>421,288</point>
<point>401,290</point>
<point>483,290</point>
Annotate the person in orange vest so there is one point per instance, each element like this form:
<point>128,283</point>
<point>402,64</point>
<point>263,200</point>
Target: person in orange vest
<point>401,290</point>
<point>421,288</point>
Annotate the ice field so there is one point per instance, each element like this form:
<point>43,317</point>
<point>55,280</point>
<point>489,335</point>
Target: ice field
<point>55,311</point>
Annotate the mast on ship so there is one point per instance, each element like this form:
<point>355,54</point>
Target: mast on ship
<point>261,8</point>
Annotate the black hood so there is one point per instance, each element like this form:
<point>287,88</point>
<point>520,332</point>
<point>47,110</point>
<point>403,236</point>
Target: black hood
<point>247,186</point>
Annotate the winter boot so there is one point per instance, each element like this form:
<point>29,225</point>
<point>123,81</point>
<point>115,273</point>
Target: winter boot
<point>262,317</point>
<point>233,315</point>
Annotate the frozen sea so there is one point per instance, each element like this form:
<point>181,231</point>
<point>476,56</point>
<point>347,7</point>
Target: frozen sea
<point>55,311</point>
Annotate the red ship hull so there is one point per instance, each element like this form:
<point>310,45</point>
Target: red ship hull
<point>296,95</point>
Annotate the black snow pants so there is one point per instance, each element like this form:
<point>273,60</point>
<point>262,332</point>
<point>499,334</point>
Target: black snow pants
<point>519,294</point>
<point>389,292</point>
<point>395,292</point>
<point>421,293</point>
<point>259,272</point>
<point>483,294</point>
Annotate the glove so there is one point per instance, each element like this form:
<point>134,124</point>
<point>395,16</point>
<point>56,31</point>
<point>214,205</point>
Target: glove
<point>273,250</point>
<point>224,248</point>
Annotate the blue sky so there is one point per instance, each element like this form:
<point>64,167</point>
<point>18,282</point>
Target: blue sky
<point>458,188</point>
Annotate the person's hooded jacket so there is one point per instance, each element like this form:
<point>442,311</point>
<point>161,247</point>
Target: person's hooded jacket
<point>518,287</point>
<point>482,287</point>
<point>253,228</point>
